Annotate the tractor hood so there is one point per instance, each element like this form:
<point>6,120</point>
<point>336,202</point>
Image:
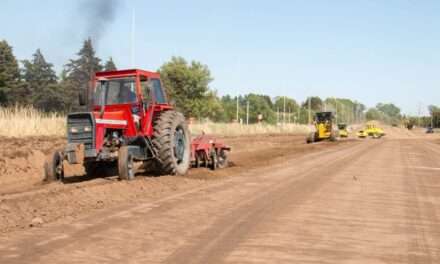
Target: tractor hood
<point>116,119</point>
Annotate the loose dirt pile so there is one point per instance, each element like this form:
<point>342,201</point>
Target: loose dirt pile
<point>21,161</point>
<point>26,202</point>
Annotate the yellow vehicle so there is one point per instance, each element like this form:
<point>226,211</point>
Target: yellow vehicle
<point>343,132</point>
<point>323,128</point>
<point>373,131</point>
<point>362,134</point>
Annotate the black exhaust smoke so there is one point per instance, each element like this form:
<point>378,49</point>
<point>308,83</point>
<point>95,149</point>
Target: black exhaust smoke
<point>98,15</point>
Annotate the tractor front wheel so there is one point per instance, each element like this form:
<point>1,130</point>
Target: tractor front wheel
<point>125,164</point>
<point>53,168</point>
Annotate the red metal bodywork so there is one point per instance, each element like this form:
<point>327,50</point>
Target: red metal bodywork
<point>120,116</point>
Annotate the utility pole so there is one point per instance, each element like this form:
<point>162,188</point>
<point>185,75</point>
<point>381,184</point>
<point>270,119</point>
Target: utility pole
<point>247,113</point>
<point>278,115</point>
<point>290,114</point>
<point>284,110</point>
<point>238,121</point>
<point>310,110</point>
<point>133,25</point>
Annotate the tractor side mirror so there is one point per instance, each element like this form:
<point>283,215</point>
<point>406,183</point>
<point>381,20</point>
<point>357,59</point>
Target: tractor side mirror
<point>82,97</point>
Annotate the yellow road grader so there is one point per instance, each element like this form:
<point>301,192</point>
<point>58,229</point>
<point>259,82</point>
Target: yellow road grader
<point>324,128</point>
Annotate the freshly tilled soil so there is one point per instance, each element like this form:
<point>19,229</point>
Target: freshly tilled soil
<point>26,200</point>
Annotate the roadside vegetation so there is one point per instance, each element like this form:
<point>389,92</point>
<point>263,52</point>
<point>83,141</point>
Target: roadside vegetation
<point>35,99</point>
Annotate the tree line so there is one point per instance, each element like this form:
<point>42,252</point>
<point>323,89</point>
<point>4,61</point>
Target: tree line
<point>35,82</point>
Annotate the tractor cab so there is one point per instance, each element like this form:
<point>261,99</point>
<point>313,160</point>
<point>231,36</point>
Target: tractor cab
<point>127,99</point>
<point>122,106</point>
<point>324,128</point>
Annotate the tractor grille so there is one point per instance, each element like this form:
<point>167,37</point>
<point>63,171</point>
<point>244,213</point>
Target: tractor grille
<point>77,131</point>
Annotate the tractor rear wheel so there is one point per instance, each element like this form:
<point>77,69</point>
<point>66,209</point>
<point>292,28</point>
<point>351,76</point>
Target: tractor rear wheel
<point>171,140</point>
<point>53,168</point>
<point>125,164</point>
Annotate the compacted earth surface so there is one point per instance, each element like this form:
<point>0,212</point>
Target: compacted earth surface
<point>280,201</point>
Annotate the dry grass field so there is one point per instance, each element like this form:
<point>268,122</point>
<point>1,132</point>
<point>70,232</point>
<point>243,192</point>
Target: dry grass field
<point>27,121</point>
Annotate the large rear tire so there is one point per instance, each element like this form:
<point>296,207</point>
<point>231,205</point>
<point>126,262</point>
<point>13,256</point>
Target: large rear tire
<point>126,167</point>
<point>171,140</point>
<point>53,168</point>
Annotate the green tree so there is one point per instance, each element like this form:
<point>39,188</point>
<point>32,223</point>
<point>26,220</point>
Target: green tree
<point>389,109</point>
<point>258,104</point>
<point>315,102</point>
<point>79,73</point>
<point>435,115</point>
<point>110,65</point>
<point>9,75</point>
<point>188,84</point>
<point>374,114</point>
<point>229,106</point>
<point>291,104</point>
<point>41,83</point>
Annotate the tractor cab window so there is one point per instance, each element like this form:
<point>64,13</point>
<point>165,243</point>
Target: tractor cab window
<point>116,91</point>
<point>157,91</point>
<point>152,87</point>
<point>145,87</point>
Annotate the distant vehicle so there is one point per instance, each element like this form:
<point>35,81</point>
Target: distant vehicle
<point>373,131</point>
<point>324,128</point>
<point>429,130</point>
<point>343,132</point>
<point>362,134</point>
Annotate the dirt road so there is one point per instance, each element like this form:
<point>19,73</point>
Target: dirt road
<point>372,201</point>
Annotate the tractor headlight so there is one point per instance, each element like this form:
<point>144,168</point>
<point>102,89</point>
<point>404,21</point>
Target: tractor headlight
<point>74,130</point>
<point>87,129</point>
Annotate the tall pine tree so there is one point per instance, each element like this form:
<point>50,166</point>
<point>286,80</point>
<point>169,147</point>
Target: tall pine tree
<point>80,72</point>
<point>110,65</point>
<point>9,75</point>
<point>41,83</point>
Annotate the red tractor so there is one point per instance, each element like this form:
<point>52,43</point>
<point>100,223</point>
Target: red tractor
<point>130,120</point>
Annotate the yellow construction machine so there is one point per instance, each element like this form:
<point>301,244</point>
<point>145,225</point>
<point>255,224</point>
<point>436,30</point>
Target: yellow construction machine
<point>374,131</point>
<point>362,134</point>
<point>324,128</point>
<point>343,131</point>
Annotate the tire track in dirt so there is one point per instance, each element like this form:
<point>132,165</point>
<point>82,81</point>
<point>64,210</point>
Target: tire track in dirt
<point>216,243</point>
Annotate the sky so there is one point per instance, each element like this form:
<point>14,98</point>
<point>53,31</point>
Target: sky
<point>369,51</point>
